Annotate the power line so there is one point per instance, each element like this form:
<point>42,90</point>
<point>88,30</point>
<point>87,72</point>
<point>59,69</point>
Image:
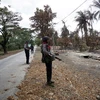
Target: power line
<point>73,11</point>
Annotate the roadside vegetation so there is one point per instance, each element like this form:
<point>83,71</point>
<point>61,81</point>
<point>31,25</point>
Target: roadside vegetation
<point>42,22</point>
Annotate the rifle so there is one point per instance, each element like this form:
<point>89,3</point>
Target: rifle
<point>58,58</point>
<point>55,57</point>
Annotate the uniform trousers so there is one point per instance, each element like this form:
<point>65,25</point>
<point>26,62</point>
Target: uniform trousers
<point>49,71</point>
<point>27,56</point>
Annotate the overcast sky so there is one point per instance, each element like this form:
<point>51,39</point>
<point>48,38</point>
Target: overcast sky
<point>62,7</point>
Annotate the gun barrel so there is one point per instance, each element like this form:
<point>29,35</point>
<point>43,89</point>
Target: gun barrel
<point>58,58</point>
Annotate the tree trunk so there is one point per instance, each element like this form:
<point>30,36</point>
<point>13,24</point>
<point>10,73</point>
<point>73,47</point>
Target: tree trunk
<point>86,34</point>
<point>4,49</point>
<point>82,33</point>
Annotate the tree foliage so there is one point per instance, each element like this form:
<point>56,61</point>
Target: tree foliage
<point>96,4</point>
<point>8,20</point>
<point>83,23</point>
<point>20,36</point>
<point>64,31</point>
<point>42,21</point>
<point>64,40</point>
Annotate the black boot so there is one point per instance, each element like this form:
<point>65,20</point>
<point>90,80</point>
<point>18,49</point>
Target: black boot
<point>50,84</point>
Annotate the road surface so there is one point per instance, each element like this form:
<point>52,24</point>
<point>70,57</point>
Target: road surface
<point>12,72</point>
<point>77,61</point>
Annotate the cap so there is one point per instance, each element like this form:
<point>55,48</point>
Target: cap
<point>45,38</point>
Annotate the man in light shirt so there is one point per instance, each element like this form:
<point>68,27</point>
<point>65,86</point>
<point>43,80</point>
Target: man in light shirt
<point>27,48</point>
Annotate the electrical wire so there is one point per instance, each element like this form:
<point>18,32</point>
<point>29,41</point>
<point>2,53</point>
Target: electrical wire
<point>72,11</point>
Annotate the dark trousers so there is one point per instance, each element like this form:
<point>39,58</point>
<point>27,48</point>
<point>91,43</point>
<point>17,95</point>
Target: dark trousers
<point>49,71</point>
<point>27,56</point>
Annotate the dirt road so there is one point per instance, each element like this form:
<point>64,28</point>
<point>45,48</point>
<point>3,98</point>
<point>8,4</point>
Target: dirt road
<point>77,61</point>
<point>85,73</point>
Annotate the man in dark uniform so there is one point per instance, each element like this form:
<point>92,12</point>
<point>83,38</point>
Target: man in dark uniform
<point>32,49</point>
<point>47,59</point>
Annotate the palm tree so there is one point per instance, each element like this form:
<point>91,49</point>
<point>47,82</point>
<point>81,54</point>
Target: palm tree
<point>90,16</point>
<point>97,5</point>
<point>82,20</point>
<point>65,31</point>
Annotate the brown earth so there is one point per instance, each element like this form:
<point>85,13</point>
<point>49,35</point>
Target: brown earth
<point>69,84</point>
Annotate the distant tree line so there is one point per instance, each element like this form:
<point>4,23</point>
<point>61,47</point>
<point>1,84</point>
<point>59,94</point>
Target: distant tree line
<point>12,36</point>
<point>42,24</point>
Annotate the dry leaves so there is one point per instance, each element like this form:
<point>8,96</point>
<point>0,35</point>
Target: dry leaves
<point>69,84</point>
